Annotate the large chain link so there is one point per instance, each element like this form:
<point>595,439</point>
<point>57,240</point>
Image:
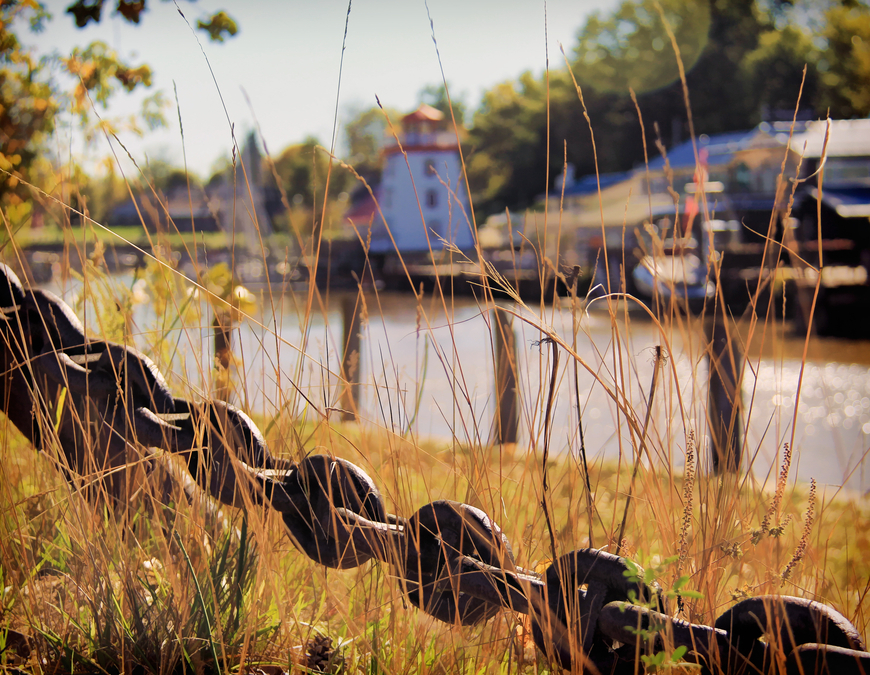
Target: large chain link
<point>111,403</point>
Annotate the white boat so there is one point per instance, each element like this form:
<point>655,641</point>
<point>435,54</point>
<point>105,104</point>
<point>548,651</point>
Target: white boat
<point>682,276</point>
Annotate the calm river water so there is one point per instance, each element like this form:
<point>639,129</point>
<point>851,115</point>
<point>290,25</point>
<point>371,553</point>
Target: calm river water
<point>427,372</point>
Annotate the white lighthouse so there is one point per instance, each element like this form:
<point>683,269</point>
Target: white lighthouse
<point>427,206</point>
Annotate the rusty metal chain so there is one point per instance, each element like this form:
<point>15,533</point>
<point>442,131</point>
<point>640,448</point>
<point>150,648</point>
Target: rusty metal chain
<point>588,610</point>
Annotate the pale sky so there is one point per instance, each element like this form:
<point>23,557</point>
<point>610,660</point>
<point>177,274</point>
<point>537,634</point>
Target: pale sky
<point>286,57</point>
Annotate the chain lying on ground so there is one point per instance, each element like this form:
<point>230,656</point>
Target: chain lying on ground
<point>111,404</point>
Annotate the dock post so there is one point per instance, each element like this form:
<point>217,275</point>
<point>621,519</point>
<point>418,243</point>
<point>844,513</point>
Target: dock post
<point>223,344</point>
<point>350,311</point>
<point>507,411</point>
<point>724,398</point>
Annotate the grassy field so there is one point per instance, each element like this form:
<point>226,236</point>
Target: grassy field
<point>53,235</point>
<point>168,585</point>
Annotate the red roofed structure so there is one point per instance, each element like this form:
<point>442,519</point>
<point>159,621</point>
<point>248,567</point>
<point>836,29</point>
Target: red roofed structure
<point>422,192</point>
<point>425,113</point>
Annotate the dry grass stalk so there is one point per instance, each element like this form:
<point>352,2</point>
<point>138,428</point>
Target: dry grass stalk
<point>803,544</point>
<point>688,496</point>
<point>172,587</point>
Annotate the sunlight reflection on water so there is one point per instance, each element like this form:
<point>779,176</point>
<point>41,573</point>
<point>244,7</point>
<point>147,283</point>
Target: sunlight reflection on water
<point>426,376</point>
<point>445,374</point>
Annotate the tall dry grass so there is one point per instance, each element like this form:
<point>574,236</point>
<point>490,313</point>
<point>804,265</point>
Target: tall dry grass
<point>172,584</point>
<point>169,585</point>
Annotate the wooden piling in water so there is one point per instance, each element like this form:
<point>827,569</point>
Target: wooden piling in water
<point>507,412</point>
<point>223,345</point>
<point>724,398</point>
<point>350,312</point>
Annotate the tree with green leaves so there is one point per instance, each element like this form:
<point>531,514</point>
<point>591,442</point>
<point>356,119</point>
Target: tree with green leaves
<point>30,100</point>
<point>630,49</point>
<point>302,170</point>
<point>507,145</point>
<point>845,64</point>
<point>365,135</point>
<point>743,61</point>
<point>27,102</point>
<point>774,71</point>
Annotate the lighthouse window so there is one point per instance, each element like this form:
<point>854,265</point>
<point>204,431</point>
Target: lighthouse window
<point>431,199</point>
<point>429,165</point>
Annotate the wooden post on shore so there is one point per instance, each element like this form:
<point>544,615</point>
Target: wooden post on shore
<point>350,311</point>
<point>724,399</point>
<point>223,344</point>
<point>507,410</point>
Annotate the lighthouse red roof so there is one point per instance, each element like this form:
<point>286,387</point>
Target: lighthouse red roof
<point>425,113</point>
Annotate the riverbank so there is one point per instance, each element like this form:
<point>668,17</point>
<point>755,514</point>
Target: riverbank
<point>284,604</point>
<point>235,590</point>
<point>426,368</point>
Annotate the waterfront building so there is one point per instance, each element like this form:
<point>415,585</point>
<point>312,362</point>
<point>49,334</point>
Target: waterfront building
<point>422,194</point>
